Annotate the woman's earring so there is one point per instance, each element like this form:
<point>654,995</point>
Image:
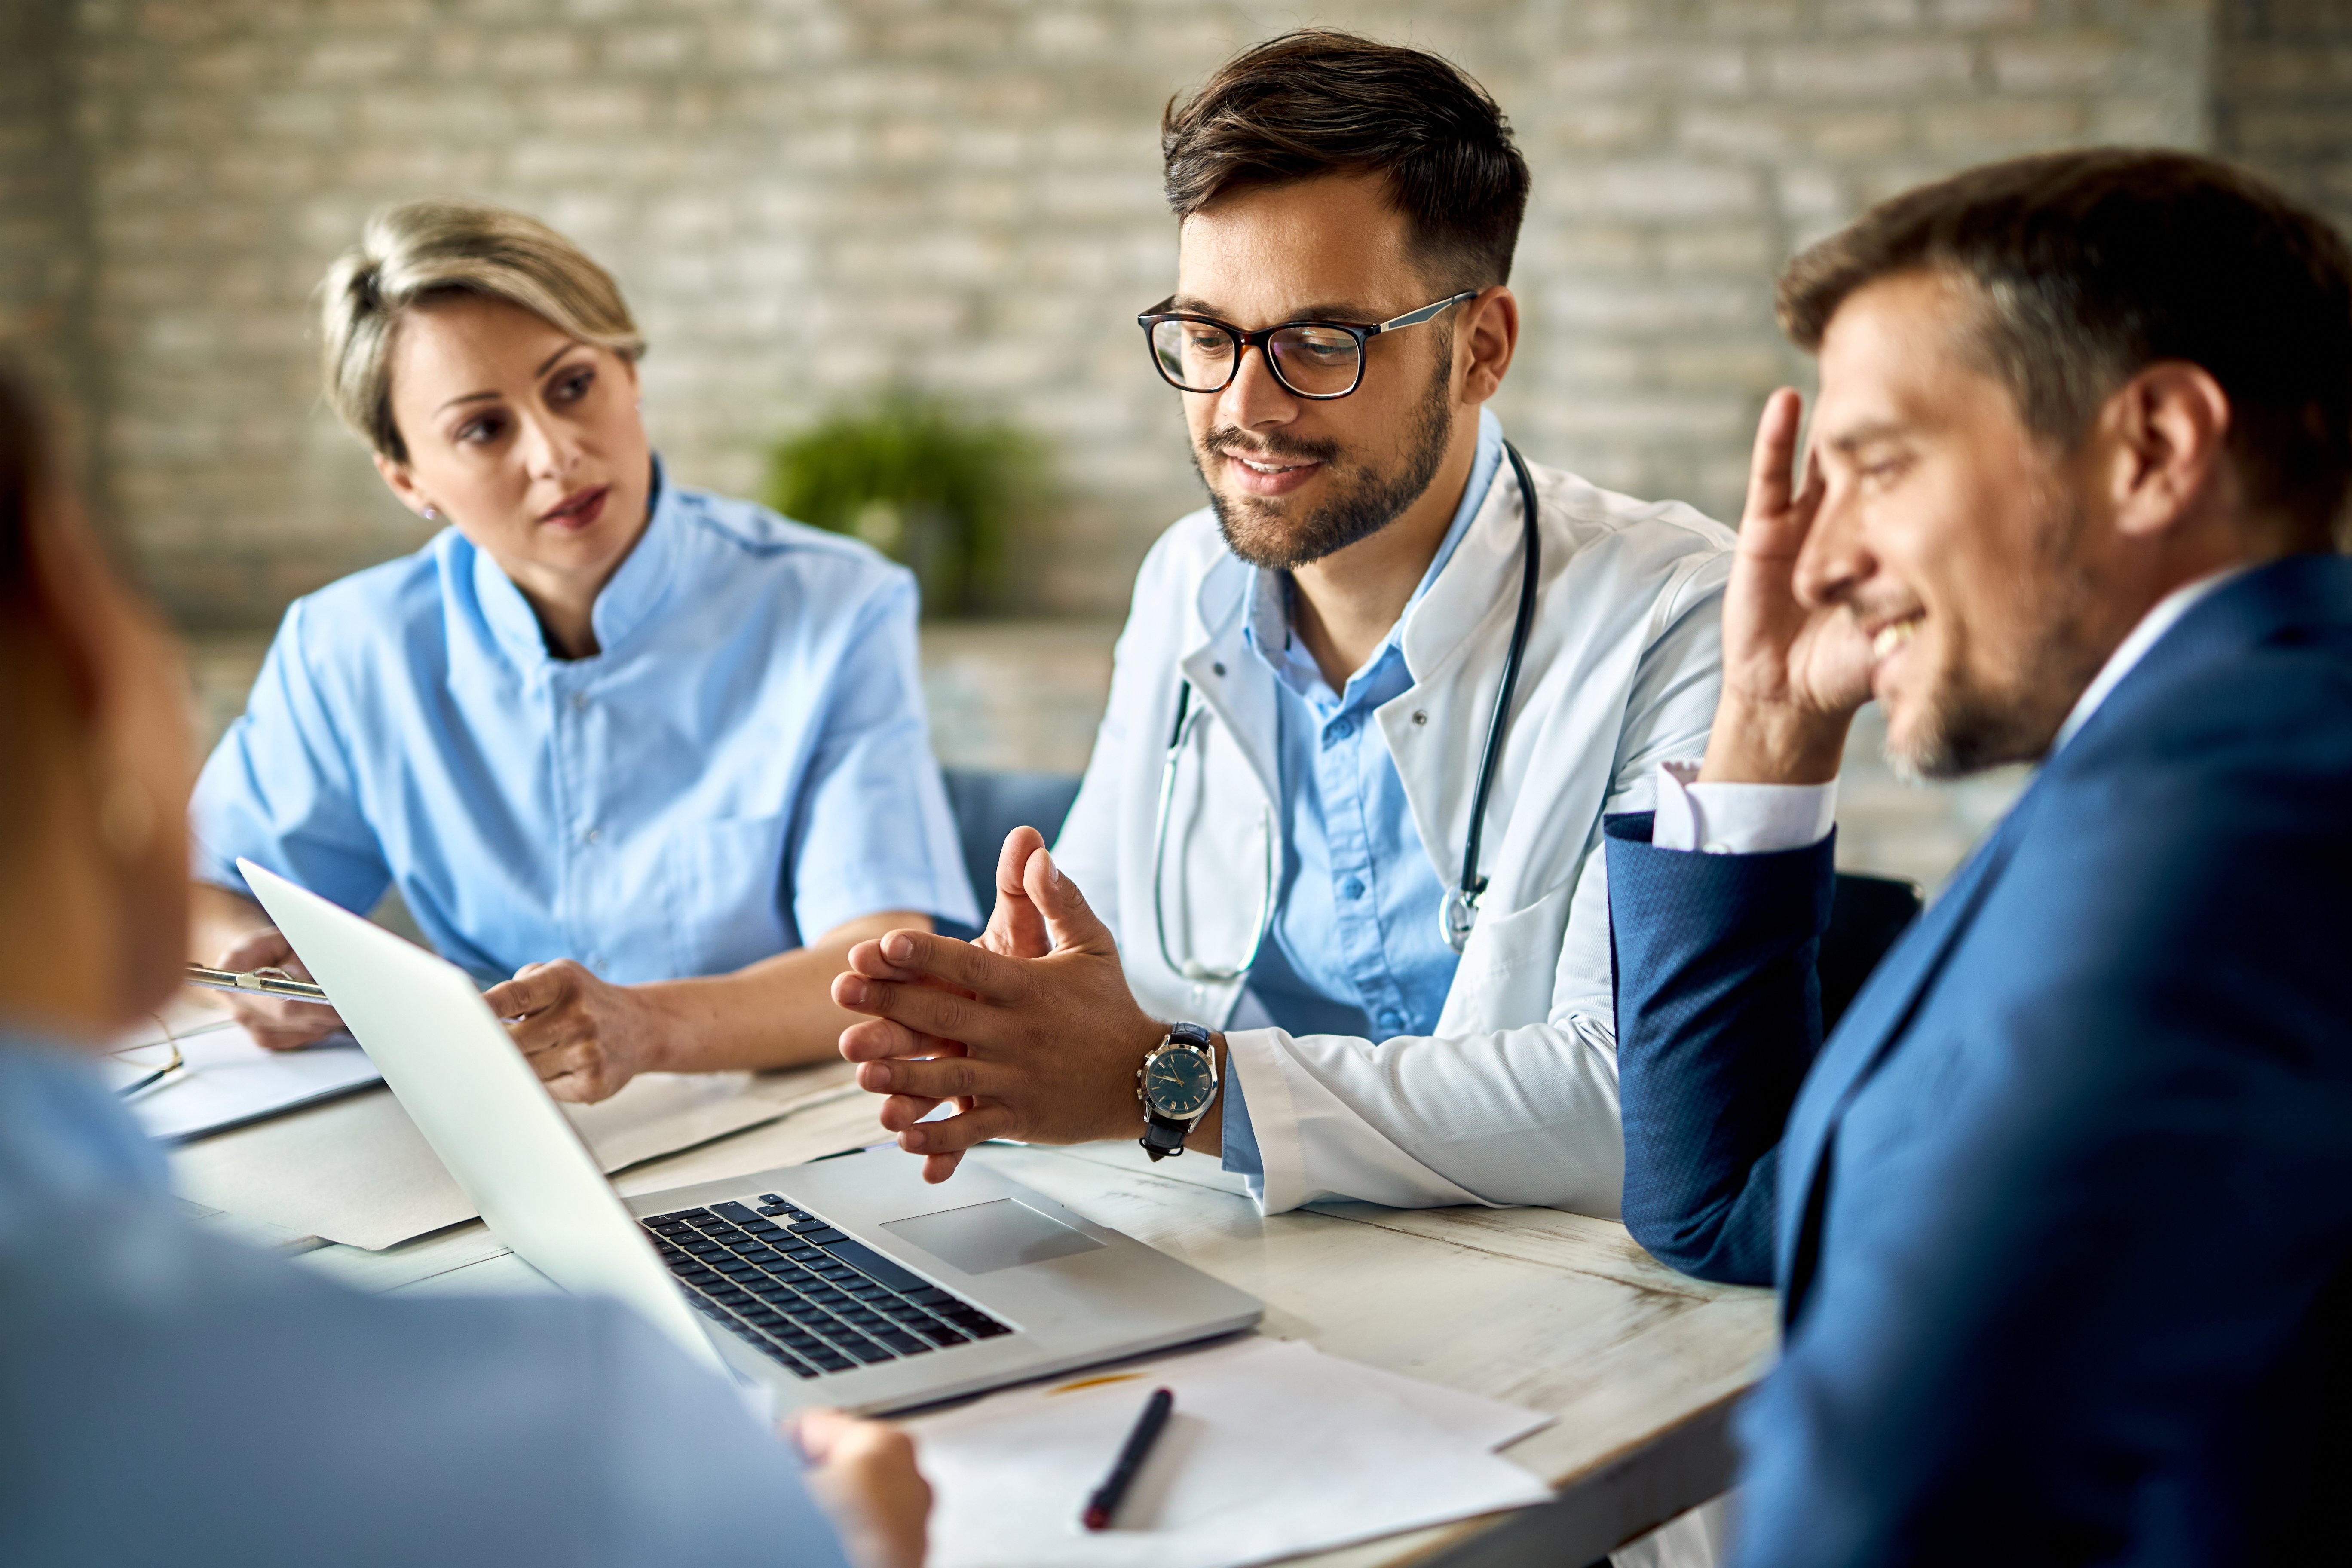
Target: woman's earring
<point>432,513</point>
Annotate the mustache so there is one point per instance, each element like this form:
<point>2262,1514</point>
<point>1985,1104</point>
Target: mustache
<point>1228,439</point>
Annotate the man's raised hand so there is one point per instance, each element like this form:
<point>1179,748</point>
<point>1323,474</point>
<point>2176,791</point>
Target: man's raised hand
<point>1793,673</point>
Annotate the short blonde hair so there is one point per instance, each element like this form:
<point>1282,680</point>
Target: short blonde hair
<point>418,252</point>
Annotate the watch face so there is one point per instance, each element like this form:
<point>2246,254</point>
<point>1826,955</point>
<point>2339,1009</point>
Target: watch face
<point>1177,1083</point>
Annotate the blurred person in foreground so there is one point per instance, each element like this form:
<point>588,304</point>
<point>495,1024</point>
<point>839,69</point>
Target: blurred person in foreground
<point>2061,1213</point>
<point>169,1396</point>
<point>652,757</point>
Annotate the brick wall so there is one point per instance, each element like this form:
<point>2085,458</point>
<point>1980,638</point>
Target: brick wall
<point>810,199</point>
<point>44,247</point>
<point>2283,95</point>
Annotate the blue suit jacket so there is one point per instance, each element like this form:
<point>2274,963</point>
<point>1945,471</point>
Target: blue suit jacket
<point>2061,1213</point>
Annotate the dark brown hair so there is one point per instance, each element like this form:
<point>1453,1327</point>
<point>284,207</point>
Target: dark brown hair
<point>2093,264</point>
<point>1317,102</point>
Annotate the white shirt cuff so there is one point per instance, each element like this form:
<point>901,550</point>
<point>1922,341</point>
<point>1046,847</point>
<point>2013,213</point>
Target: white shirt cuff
<point>1738,818</point>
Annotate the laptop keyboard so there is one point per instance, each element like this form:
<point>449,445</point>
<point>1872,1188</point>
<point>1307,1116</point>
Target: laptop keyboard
<point>805,1294</point>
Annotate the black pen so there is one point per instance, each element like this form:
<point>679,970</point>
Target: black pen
<point>1138,1447</point>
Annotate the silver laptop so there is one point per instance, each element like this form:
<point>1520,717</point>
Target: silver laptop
<point>845,1281</point>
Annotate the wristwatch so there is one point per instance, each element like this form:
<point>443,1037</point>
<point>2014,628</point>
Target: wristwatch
<point>1177,1083</point>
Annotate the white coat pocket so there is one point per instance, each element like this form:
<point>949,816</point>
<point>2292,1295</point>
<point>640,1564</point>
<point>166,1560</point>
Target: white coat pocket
<point>1506,974</point>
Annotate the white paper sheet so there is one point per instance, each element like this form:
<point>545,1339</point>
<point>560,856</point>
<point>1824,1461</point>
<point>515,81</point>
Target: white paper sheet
<point>1274,1449</point>
<point>229,1080</point>
<point>359,1172</point>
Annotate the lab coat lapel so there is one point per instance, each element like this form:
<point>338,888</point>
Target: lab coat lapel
<point>1232,681</point>
<point>1224,839</point>
<point>1873,1023</point>
<point>1453,645</point>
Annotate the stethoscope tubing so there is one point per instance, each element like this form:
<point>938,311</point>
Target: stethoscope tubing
<point>1459,909</point>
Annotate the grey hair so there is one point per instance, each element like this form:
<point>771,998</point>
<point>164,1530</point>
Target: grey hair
<point>419,252</point>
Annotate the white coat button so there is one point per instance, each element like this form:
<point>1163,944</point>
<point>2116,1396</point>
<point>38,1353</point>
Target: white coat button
<point>1421,715</point>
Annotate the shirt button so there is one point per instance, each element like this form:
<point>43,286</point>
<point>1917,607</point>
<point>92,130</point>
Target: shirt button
<point>1353,887</point>
<point>1341,729</point>
<point>1390,1023</point>
<point>592,836</point>
<point>580,702</point>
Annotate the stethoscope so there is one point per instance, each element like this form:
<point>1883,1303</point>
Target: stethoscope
<point>1457,911</point>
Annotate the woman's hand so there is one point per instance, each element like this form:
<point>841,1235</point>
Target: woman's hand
<point>585,1037</point>
<point>863,1473</point>
<point>276,1023</point>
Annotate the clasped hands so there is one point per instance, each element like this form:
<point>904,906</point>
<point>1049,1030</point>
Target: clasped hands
<point>1030,1030</point>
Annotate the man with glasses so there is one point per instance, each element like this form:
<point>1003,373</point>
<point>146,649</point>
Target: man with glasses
<point>1337,838</point>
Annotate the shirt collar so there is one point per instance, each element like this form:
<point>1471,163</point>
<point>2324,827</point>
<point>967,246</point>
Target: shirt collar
<point>636,589</point>
<point>1268,627</point>
<point>2152,626</point>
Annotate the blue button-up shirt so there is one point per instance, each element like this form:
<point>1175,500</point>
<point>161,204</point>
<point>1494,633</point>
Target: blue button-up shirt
<point>171,1397</point>
<point>742,766</point>
<point>1354,947</point>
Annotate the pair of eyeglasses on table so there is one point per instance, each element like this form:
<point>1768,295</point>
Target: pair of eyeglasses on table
<point>254,982</point>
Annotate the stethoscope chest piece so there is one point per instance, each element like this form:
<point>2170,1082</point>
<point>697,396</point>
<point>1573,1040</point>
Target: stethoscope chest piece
<point>1457,911</point>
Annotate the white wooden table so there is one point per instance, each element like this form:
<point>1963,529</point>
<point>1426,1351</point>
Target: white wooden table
<point>1553,1310</point>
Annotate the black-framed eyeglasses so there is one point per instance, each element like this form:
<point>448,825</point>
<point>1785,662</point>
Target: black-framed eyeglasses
<point>1312,359</point>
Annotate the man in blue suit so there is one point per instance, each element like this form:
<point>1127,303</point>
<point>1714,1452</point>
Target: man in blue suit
<point>2061,1212</point>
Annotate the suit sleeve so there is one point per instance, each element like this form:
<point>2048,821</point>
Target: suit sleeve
<point>1719,1016</point>
<point>2100,1241</point>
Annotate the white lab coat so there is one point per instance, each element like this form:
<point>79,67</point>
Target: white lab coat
<point>1514,1100</point>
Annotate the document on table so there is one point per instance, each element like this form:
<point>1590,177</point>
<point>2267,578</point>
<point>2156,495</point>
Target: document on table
<point>226,1080</point>
<point>1274,1449</point>
<point>359,1172</point>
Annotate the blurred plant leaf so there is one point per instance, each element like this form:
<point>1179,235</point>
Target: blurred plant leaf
<point>922,483</point>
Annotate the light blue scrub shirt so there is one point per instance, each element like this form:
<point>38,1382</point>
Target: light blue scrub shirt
<point>169,1397</point>
<point>744,766</point>
<point>1354,947</point>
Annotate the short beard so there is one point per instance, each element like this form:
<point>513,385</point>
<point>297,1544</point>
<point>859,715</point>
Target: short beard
<point>1364,500</point>
<point>1973,724</point>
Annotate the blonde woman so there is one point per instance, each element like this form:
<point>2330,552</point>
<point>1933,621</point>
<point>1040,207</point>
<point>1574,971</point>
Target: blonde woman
<point>649,758</point>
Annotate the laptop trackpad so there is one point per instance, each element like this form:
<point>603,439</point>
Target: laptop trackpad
<point>987,1236</point>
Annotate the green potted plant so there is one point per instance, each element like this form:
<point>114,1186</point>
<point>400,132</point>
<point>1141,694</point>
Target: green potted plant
<point>920,481</point>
